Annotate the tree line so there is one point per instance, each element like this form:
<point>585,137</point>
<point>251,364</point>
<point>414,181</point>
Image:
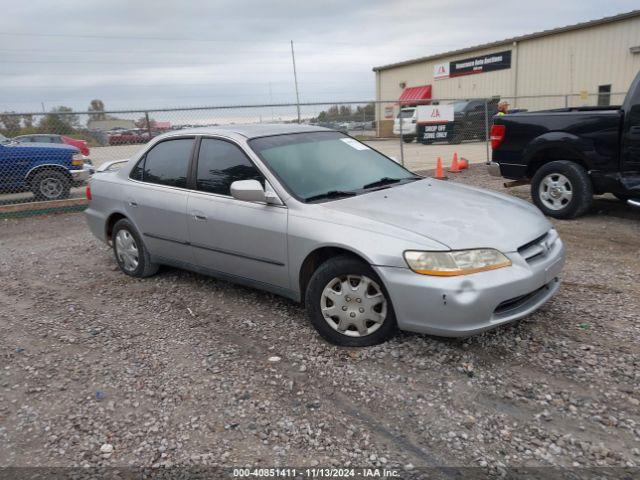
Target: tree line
<point>345,113</point>
<point>60,120</point>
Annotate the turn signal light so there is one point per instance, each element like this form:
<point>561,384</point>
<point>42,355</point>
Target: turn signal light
<point>88,192</point>
<point>497,135</point>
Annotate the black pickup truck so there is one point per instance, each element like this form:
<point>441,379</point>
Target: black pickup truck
<point>570,154</point>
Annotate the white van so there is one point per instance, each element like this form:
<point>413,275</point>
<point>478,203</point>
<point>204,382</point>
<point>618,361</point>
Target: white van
<point>409,117</point>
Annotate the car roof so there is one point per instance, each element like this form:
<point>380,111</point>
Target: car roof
<point>253,130</point>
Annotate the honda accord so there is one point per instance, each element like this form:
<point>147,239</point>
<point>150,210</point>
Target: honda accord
<point>317,216</point>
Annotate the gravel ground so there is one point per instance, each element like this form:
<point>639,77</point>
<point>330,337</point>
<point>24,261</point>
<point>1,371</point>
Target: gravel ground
<point>179,369</point>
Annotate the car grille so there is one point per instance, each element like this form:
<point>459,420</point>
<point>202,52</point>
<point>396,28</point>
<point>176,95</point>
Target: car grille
<point>539,247</point>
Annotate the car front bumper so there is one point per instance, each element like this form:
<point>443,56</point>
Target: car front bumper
<point>80,176</point>
<point>469,304</point>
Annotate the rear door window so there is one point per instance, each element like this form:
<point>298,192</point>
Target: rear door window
<point>168,163</point>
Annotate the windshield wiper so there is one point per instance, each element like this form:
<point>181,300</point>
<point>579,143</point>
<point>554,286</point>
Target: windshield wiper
<point>331,194</point>
<point>386,181</point>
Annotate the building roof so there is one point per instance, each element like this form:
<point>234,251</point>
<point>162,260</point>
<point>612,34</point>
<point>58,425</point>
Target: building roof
<point>252,130</point>
<point>530,36</point>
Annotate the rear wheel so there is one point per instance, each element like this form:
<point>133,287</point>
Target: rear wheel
<point>408,139</point>
<point>348,305</point>
<point>131,254</point>
<point>50,185</point>
<point>562,189</point>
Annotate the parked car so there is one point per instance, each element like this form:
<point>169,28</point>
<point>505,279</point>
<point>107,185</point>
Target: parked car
<point>317,216</point>
<point>124,137</point>
<point>570,154</point>
<point>408,116</point>
<point>49,170</point>
<point>54,138</point>
<point>471,118</point>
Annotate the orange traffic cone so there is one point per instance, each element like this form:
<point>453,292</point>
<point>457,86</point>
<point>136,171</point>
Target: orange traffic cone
<point>455,168</point>
<point>439,173</point>
<point>463,163</point>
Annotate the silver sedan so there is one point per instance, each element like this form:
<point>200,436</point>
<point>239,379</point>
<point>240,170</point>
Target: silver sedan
<point>316,216</point>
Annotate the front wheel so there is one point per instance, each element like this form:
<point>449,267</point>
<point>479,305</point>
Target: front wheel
<point>562,189</point>
<point>348,305</point>
<point>50,185</point>
<point>408,139</point>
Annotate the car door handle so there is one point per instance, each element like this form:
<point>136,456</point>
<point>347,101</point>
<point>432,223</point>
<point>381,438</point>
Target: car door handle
<point>132,203</point>
<point>199,217</point>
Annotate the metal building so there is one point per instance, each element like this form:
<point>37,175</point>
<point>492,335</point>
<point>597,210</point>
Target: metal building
<point>583,64</point>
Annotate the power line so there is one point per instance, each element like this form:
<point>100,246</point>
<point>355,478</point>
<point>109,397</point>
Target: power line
<point>187,39</point>
<point>181,85</point>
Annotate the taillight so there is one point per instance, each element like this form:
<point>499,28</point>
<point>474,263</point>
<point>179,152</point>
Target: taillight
<point>497,135</point>
<point>88,192</point>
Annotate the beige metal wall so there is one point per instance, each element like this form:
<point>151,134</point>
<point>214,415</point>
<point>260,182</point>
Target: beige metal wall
<point>559,64</point>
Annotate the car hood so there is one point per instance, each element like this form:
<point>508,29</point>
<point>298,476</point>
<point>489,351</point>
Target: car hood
<point>46,146</point>
<point>454,215</point>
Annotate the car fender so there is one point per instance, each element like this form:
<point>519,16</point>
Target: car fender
<point>557,140</point>
<point>46,166</point>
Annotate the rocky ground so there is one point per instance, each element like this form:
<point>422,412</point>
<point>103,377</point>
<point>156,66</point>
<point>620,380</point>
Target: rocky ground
<point>97,368</point>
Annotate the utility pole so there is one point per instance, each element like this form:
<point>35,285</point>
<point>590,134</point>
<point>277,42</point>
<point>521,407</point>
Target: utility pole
<point>295,80</point>
<point>271,102</point>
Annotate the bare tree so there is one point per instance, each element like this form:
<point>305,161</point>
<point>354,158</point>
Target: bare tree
<point>98,107</point>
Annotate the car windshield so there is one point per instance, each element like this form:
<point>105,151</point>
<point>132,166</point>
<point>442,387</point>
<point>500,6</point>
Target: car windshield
<point>327,165</point>
<point>459,106</point>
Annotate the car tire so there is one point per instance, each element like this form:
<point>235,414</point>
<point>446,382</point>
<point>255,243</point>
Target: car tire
<point>562,189</point>
<point>364,317</point>
<point>408,139</point>
<point>50,185</point>
<point>455,139</point>
<point>130,252</point>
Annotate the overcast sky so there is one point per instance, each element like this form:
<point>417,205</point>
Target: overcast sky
<point>173,53</point>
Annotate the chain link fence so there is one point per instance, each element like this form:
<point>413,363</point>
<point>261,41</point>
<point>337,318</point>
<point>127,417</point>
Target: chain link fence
<point>47,158</point>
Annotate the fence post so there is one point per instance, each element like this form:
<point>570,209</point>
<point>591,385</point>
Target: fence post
<point>146,116</point>
<point>401,139</point>
<point>486,129</point>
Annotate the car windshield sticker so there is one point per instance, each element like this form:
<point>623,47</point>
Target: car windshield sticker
<point>354,144</point>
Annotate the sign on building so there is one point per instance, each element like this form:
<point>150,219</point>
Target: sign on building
<point>435,114</point>
<point>440,71</point>
<point>481,64</point>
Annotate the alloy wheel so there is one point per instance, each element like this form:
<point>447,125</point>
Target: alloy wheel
<point>555,191</point>
<point>51,188</point>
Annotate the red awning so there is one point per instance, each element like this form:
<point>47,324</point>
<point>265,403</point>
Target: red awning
<point>415,95</point>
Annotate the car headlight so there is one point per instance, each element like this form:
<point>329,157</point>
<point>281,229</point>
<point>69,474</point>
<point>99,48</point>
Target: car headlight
<point>77,160</point>
<point>456,262</point>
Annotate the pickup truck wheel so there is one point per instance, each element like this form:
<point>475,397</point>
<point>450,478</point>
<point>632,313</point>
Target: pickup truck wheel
<point>348,305</point>
<point>562,189</point>
<point>50,185</point>
<point>131,254</point>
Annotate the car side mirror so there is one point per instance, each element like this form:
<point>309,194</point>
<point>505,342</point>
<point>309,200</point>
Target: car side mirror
<point>248,190</point>
<point>252,191</point>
